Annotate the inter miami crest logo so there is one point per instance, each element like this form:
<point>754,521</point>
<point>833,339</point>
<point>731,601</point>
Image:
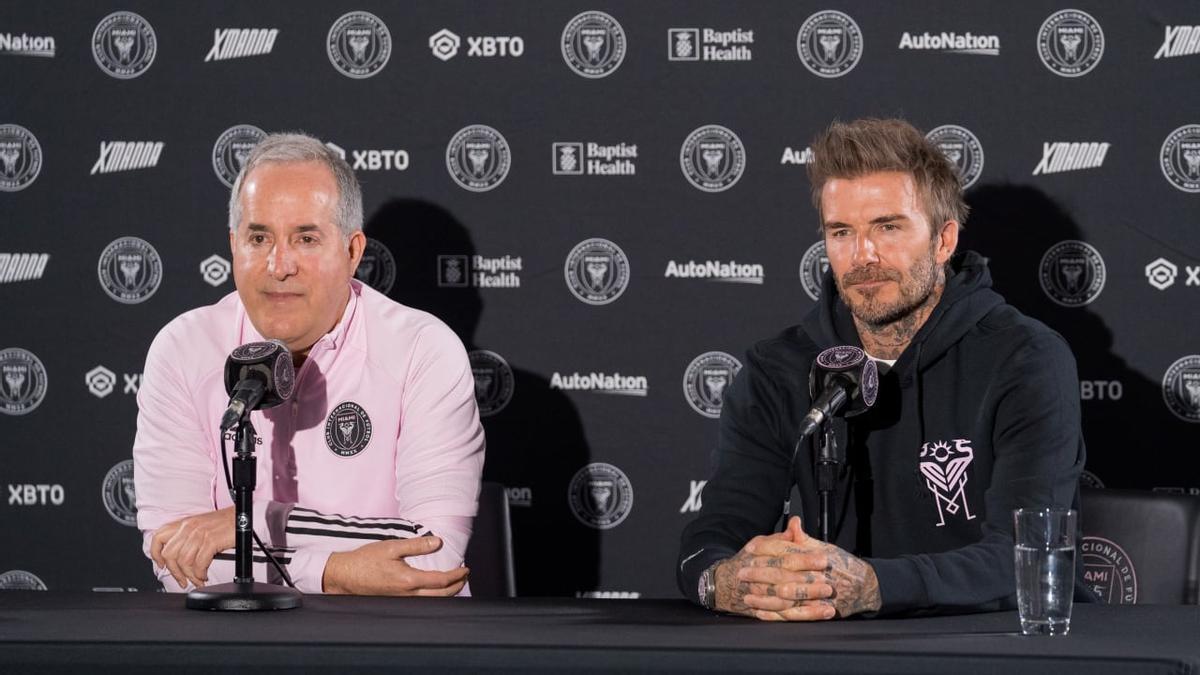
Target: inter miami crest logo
<point>129,270</point>
<point>24,381</point>
<point>1072,273</point>
<point>117,491</point>
<point>600,495</point>
<point>232,149</point>
<point>706,379</point>
<point>358,44</point>
<point>962,148</point>
<point>20,580</point>
<point>347,429</point>
<point>1181,388</point>
<point>478,158</point>
<point>494,381</point>
<point>377,268</point>
<point>593,44</point>
<point>813,266</point>
<point>830,44</point>
<point>944,466</point>
<point>712,158</point>
<point>1180,157</point>
<point>20,157</point>
<point>124,45</point>
<point>597,271</point>
<point>1109,571</point>
<point>1070,43</point>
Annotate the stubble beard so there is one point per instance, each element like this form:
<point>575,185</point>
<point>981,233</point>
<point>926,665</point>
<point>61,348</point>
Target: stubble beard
<point>916,291</point>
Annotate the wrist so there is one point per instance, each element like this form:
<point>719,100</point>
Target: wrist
<point>330,577</point>
<point>706,589</point>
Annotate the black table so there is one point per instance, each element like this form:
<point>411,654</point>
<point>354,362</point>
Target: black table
<point>52,632</point>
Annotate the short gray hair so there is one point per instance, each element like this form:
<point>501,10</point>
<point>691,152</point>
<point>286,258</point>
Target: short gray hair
<point>300,147</point>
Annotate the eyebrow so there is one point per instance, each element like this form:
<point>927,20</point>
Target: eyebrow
<point>255,227</point>
<point>888,218</point>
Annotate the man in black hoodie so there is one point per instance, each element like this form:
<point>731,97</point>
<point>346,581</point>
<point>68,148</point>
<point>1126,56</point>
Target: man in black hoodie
<point>977,413</point>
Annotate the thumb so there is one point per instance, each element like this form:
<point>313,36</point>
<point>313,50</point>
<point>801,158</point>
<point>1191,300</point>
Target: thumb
<point>404,548</point>
<point>796,531</point>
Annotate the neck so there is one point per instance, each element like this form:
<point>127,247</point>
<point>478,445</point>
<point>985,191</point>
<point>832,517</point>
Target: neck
<point>889,340</point>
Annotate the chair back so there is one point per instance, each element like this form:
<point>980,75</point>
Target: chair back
<point>490,552</point>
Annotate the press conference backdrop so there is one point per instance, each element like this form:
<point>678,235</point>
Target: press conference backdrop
<point>606,201</point>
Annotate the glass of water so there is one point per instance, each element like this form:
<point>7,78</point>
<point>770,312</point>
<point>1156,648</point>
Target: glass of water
<point>1045,566</point>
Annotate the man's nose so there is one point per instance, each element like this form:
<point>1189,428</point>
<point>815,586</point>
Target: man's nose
<point>281,264</point>
<point>864,250</point>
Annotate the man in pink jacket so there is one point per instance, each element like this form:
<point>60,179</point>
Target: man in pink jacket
<point>368,479</point>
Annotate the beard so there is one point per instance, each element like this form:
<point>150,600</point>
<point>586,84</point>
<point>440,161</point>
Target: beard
<point>915,289</point>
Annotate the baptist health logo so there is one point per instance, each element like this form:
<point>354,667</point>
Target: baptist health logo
<point>445,43</point>
<point>22,266</point>
<point>573,158</point>
<point>716,270</point>
<point>1179,41</point>
<point>24,45</point>
<point>462,271</point>
<point>1059,156</point>
<point>1161,274</point>
<point>235,43</point>
<point>709,44</point>
<point>953,43</point>
<point>602,383</point>
<point>127,156</point>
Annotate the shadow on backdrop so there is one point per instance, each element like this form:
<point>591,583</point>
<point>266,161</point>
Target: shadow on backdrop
<point>536,441</point>
<point>1127,427</point>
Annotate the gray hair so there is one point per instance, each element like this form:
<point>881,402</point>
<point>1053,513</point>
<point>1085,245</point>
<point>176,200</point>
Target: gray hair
<point>301,147</point>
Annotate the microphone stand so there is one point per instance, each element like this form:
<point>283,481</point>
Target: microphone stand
<point>827,470</point>
<point>243,593</point>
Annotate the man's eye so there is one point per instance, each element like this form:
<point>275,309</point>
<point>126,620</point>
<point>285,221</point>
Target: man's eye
<point>257,239</point>
<point>308,239</point>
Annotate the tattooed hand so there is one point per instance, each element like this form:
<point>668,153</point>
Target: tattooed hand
<point>776,560</point>
<point>792,585</point>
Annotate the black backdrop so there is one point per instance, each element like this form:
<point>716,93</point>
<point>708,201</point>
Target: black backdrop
<point>700,113</point>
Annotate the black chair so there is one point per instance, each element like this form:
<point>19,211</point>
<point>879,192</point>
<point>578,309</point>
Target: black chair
<point>1141,546</point>
<point>490,552</point>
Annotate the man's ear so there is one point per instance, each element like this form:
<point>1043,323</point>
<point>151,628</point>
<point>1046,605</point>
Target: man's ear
<point>356,245</point>
<point>947,241</point>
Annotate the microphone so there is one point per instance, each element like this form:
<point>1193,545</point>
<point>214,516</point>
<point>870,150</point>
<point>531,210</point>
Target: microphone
<point>258,375</point>
<point>843,376</point>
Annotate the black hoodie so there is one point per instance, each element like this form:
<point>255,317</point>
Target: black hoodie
<point>984,399</point>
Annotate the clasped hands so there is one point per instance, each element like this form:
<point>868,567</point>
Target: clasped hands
<point>186,548</point>
<point>789,576</point>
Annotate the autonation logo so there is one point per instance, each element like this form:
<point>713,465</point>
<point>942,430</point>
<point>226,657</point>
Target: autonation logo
<point>602,383</point>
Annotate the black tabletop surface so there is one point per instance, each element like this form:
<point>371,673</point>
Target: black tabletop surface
<point>150,632</point>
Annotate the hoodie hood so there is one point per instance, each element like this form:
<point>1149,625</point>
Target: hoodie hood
<point>968,297</point>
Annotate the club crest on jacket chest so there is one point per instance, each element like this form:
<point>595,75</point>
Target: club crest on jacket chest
<point>944,466</point>
<point>347,429</point>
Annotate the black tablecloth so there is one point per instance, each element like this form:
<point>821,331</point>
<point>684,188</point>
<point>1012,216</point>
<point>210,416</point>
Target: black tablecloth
<point>152,632</point>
